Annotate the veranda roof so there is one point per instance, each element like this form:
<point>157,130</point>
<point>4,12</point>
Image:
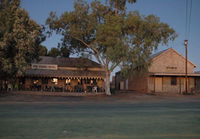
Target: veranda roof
<point>60,73</point>
<point>174,74</point>
<point>67,62</point>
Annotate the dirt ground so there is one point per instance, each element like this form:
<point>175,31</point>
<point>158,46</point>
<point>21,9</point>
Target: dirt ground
<point>129,97</point>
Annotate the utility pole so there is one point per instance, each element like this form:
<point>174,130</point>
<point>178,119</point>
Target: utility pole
<point>186,61</point>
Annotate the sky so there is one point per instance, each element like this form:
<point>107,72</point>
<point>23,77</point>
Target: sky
<point>172,12</point>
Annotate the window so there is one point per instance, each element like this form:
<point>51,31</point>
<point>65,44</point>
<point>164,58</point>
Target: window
<point>173,81</point>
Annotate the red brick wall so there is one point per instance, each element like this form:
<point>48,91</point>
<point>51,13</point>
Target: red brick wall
<point>138,83</point>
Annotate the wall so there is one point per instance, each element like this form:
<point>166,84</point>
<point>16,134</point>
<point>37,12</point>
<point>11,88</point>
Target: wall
<point>28,83</point>
<point>168,88</point>
<point>170,62</point>
<point>100,83</point>
<point>138,83</point>
<point>150,82</point>
<point>197,82</point>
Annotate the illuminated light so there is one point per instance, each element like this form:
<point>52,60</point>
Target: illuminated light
<point>35,81</point>
<point>55,80</point>
<point>186,42</point>
<point>68,81</point>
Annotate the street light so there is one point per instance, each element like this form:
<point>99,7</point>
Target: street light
<point>186,57</point>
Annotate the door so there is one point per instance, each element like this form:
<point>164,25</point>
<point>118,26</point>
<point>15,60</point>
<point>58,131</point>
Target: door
<point>158,84</point>
<point>122,85</point>
<point>127,84</point>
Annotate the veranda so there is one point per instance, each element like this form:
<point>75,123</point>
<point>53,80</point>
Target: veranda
<point>55,84</point>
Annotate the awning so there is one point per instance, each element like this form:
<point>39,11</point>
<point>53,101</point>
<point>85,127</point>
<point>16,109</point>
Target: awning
<point>174,74</point>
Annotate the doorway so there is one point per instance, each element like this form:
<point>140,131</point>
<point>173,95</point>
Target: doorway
<point>158,84</point>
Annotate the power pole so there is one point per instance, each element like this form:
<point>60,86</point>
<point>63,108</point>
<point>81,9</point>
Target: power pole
<point>186,61</point>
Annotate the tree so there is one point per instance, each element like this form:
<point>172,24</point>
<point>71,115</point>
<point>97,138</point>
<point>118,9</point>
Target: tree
<point>42,50</point>
<point>54,52</point>
<point>64,52</point>
<point>19,38</point>
<point>60,51</point>
<point>112,36</point>
<point>119,5</point>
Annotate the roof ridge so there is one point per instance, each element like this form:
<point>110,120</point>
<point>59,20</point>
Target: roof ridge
<point>66,57</point>
<point>158,53</point>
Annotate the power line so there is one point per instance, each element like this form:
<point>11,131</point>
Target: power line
<point>188,16</point>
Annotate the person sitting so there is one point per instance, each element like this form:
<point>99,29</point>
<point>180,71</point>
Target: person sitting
<point>16,87</point>
<point>94,89</point>
<point>9,87</point>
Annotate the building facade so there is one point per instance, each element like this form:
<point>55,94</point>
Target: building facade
<point>63,74</point>
<point>165,74</point>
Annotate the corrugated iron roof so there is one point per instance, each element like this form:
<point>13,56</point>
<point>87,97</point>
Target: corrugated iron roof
<point>174,74</point>
<point>158,53</point>
<point>68,62</point>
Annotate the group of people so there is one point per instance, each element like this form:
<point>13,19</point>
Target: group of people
<point>66,88</point>
<point>8,86</point>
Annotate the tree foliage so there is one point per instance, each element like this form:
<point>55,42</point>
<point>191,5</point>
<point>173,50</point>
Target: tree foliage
<point>42,50</point>
<point>64,52</point>
<point>119,5</point>
<point>19,38</point>
<point>112,36</point>
<point>54,52</point>
<point>61,52</point>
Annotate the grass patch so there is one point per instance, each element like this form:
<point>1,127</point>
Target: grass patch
<point>100,121</point>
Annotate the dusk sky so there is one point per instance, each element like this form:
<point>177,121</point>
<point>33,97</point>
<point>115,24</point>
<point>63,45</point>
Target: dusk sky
<point>172,12</point>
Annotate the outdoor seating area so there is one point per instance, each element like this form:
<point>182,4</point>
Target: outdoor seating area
<point>68,88</point>
<point>54,85</point>
<point>77,89</point>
